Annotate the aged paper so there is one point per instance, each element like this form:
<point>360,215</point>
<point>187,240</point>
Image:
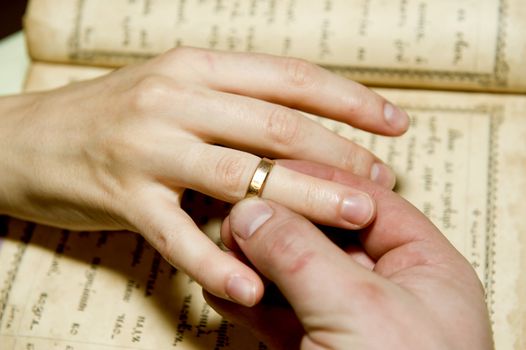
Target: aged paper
<point>462,163</point>
<point>446,44</point>
<point>79,291</point>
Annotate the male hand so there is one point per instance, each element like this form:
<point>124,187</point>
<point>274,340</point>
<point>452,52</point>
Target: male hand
<point>405,287</point>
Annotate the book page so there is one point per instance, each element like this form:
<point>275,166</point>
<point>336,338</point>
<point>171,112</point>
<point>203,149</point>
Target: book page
<point>446,44</point>
<point>462,163</point>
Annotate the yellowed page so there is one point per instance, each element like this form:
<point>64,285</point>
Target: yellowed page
<point>445,44</point>
<point>462,163</point>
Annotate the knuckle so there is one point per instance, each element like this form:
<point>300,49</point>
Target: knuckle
<point>300,73</point>
<point>287,249</point>
<point>167,245</point>
<point>313,196</point>
<point>181,59</point>
<point>205,59</point>
<point>178,53</point>
<point>372,293</point>
<point>283,127</point>
<point>357,160</point>
<point>230,175</point>
<point>201,270</point>
<point>189,63</point>
<point>356,104</point>
<point>162,245</point>
<point>150,92</point>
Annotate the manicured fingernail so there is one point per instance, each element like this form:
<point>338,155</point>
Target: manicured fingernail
<point>395,117</point>
<point>357,209</point>
<point>383,175</point>
<point>241,290</point>
<point>249,215</point>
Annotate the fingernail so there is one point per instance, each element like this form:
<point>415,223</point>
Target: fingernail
<point>357,209</point>
<point>395,117</point>
<point>241,290</point>
<point>248,216</point>
<point>383,175</point>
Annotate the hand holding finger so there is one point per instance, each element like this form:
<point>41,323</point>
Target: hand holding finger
<point>294,254</point>
<point>305,265</point>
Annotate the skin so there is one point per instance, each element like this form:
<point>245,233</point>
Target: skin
<point>404,286</point>
<point>118,152</point>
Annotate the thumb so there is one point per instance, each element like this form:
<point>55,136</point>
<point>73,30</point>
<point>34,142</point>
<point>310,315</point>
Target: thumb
<point>311,272</point>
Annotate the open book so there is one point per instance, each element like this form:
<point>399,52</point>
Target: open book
<point>462,162</point>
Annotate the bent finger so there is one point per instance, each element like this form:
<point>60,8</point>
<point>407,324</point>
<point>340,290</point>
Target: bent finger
<point>174,234</point>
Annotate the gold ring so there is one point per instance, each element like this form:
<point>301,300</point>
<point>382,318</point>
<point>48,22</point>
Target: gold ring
<point>259,178</point>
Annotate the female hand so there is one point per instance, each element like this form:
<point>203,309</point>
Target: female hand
<point>118,152</point>
<point>404,287</point>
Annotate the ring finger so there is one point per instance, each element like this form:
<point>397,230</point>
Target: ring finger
<point>225,174</point>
